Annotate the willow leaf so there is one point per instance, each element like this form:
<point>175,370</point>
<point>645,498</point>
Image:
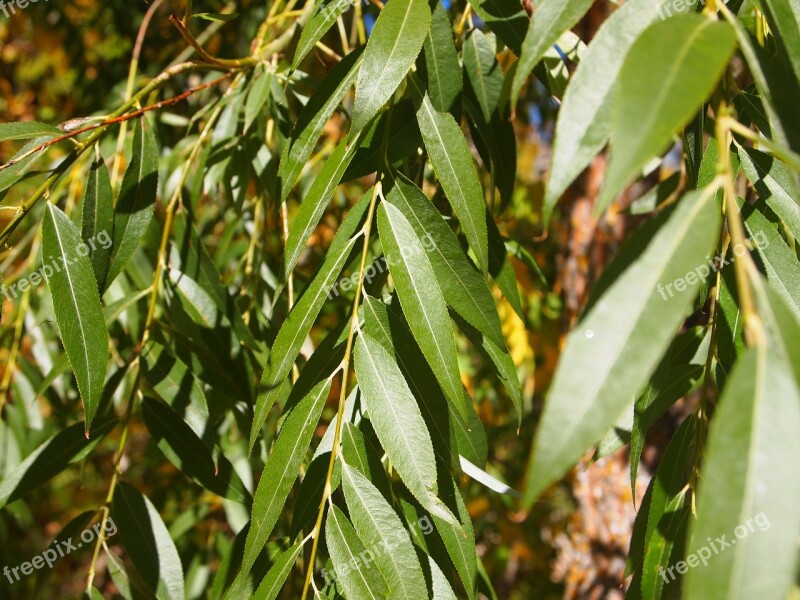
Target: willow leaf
<point>76,304</point>
<point>613,351</point>
<point>421,299</point>
<point>280,472</point>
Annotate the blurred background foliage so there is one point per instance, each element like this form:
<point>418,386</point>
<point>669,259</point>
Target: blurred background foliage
<point>70,58</point>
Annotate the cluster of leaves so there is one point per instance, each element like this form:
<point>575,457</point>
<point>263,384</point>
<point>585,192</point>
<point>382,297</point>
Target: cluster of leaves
<point>189,322</point>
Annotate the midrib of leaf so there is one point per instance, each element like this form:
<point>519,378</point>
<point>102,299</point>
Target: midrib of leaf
<point>379,530</point>
<point>455,273</point>
<point>468,215</point>
<point>390,405</point>
<point>74,299</point>
<point>630,324</point>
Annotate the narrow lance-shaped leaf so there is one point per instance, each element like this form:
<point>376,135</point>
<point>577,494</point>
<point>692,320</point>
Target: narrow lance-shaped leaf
<point>380,528</point>
<point>398,422</point>
<point>682,59</point>
<point>148,542</point>
<point>190,455</point>
<point>318,25</point>
<point>442,71</point>
<point>551,19</point>
<point>356,577</point>
<point>483,70</point>
<point>278,573</point>
<point>780,261</point>
<point>584,119</point>
<point>298,323</point>
<point>76,304</point>
<point>506,18</point>
<point>668,512</point>
<point>27,130</point>
<point>747,502</point>
<point>312,119</point>
<point>137,196</point>
<point>98,218</point>
<point>452,161</point>
<point>462,286</point>
<point>774,184</point>
<point>392,48</point>
<point>51,458</point>
<point>613,351</point>
<point>314,203</point>
<point>280,472</point>
<point>422,300</point>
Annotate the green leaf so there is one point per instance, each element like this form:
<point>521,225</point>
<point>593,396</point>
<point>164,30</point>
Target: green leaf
<point>298,323</point>
<point>462,286</point>
<point>349,558</point>
<point>317,26</point>
<point>273,582</point>
<point>98,218</point>
<point>390,329</point>
<point>776,91</point>
<point>257,96</point>
<point>313,118</point>
<point>440,586</point>
<point>422,300</point>
<point>380,529</point>
<point>483,70</point>
<point>52,457</point>
<point>147,542</point>
<point>506,18</point>
<point>398,422</point>
<point>668,511</point>
<point>584,119</point>
<point>76,305</point>
<point>315,202</point>
<point>774,184</point>
<point>750,486</point>
<point>780,261</point>
<point>681,58</point>
<point>612,352</point>
<point>392,48</point>
<point>359,453</point>
<point>675,376</point>
<point>441,69</point>
<point>190,455</point>
<point>137,196</point>
<point>782,326</point>
<point>453,164</point>
<point>785,17</point>
<point>27,130</point>
<point>174,382</point>
<point>551,19</point>
<point>281,470</point>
